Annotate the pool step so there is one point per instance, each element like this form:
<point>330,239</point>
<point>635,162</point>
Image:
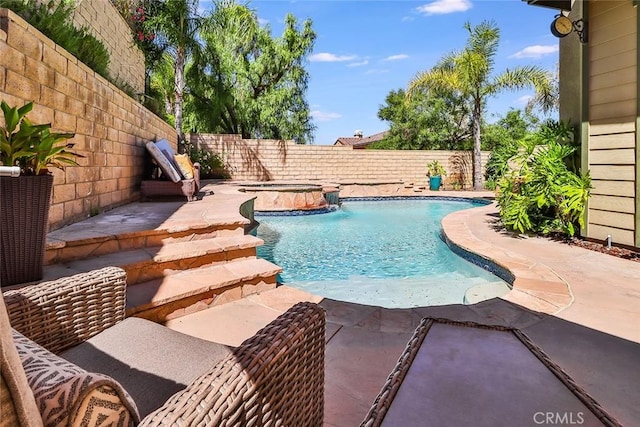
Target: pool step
<point>66,245</point>
<point>193,290</point>
<point>403,292</point>
<point>485,291</point>
<point>146,264</point>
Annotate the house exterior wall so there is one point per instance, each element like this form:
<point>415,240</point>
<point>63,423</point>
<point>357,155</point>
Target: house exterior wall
<point>570,63</point>
<point>267,160</point>
<point>612,115</point>
<point>111,128</point>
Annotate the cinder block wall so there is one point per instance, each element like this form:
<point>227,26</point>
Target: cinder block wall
<point>106,24</point>
<point>266,160</point>
<point>111,128</point>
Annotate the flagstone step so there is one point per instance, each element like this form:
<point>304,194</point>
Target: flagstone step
<point>74,243</point>
<point>156,262</point>
<point>193,290</point>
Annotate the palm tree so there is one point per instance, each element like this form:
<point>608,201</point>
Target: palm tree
<point>469,73</point>
<point>176,23</point>
<point>162,83</point>
<point>548,100</point>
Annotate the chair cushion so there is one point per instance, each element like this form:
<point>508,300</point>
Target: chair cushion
<point>184,165</point>
<point>17,405</point>
<point>150,361</point>
<point>67,395</point>
<point>164,163</point>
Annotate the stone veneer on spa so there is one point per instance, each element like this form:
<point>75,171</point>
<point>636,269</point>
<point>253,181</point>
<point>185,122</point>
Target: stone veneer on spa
<point>282,197</point>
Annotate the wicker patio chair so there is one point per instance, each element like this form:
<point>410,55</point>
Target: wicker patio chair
<point>275,377</point>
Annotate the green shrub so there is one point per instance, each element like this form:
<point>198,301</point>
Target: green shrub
<point>498,163</point>
<point>434,168</point>
<point>212,165</point>
<point>54,19</point>
<point>539,192</point>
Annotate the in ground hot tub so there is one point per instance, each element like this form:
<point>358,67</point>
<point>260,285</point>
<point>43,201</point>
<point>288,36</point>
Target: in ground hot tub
<point>287,196</point>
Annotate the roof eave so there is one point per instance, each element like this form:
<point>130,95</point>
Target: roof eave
<point>553,4</point>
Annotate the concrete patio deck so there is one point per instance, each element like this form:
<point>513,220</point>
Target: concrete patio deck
<point>581,307</point>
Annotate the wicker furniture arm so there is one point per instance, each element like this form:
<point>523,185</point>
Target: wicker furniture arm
<point>274,378</point>
<point>62,313</point>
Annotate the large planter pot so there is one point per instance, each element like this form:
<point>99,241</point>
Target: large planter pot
<point>24,217</point>
<point>435,182</point>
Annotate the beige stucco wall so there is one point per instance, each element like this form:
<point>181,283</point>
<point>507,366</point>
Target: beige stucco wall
<point>612,114</point>
<point>111,128</point>
<point>265,160</point>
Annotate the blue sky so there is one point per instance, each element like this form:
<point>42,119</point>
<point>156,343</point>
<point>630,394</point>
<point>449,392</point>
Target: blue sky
<point>364,49</point>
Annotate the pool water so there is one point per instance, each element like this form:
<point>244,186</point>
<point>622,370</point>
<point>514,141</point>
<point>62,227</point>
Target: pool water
<point>383,253</point>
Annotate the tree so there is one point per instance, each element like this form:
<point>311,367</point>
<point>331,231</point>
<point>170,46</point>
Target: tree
<point>162,84</point>
<point>510,128</point>
<point>469,74</point>
<point>504,139</point>
<point>548,99</point>
<point>247,82</point>
<point>425,122</point>
<point>175,24</point>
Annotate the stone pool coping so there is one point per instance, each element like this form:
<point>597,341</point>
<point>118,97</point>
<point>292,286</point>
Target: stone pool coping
<point>534,285</point>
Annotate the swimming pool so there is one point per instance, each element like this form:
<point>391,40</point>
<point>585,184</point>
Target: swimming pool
<point>383,253</point>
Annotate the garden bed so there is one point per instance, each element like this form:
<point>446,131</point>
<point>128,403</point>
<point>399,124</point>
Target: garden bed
<point>620,252</point>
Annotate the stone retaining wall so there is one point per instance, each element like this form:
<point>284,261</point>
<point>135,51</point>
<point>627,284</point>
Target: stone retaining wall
<point>111,128</point>
<point>106,24</point>
<point>103,21</point>
<point>269,160</point>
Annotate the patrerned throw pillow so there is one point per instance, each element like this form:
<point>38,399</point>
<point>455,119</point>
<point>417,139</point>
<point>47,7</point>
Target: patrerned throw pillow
<point>184,165</point>
<point>67,395</point>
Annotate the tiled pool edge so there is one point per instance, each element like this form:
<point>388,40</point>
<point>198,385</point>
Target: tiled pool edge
<point>531,286</point>
<point>319,211</point>
<point>483,262</point>
<point>333,208</point>
<point>475,200</point>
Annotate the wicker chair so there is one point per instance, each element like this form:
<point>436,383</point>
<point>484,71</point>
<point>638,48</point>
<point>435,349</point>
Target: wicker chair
<point>275,377</point>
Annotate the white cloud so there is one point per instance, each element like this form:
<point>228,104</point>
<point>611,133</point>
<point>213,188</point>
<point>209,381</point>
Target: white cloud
<point>407,18</point>
<point>323,116</point>
<point>263,21</point>
<point>535,51</point>
<point>523,100</point>
<point>442,7</point>
<point>330,57</point>
<point>396,57</point>
<point>358,64</point>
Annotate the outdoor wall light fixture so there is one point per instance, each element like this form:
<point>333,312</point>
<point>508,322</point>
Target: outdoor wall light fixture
<point>562,26</point>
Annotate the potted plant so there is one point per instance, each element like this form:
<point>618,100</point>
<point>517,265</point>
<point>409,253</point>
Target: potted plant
<point>25,200</point>
<point>435,171</point>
